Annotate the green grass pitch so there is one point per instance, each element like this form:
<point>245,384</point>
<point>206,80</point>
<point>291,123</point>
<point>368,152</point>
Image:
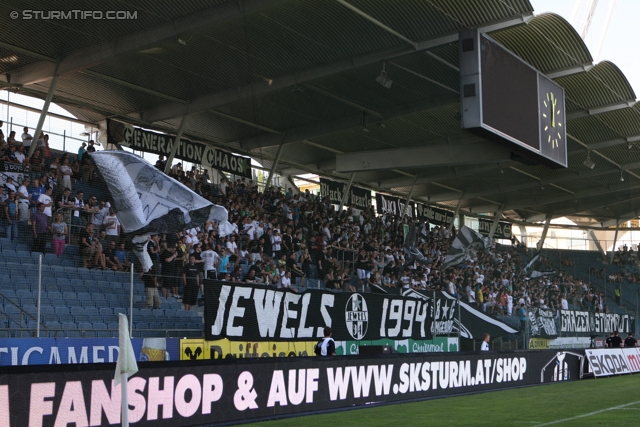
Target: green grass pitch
<point>605,401</point>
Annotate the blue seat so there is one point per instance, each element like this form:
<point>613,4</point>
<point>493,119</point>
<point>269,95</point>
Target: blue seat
<point>113,326</point>
<point>85,326</point>
<point>7,292</point>
<point>97,296</point>
<point>141,325</point>
<point>103,304</point>
<point>88,303</point>
<point>81,288</point>
<point>99,326</point>
<point>65,318</point>
<point>110,318</point>
<point>91,310</point>
<point>77,282</point>
<point>105,334</point>
<point>47,309</point>
<point>74,334</point>
<point>76,310</point>
<point>55,295</point>
<point>23,293</point>
<point>158,312</point>
<point>82,296</point>
<point>119,310</point>
<point>69,295</point>
<point>74,303</point>
<point>81,318</point>
<point>69,326</point>
<point>106,310</point>
<point>62,310</point>
<point>95,318</point>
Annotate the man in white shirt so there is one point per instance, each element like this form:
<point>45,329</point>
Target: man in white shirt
<point>485,342</point>
<point>23,201</point>
<point>285,282</point>
<point>19,154</point>
<point>211,260</point>
<point>47,201</point>
<point>26,138</point>
<point>232,248</point>
<point>111,226</point>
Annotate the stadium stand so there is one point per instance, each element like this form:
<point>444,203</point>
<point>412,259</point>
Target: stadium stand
<point>279,232</point>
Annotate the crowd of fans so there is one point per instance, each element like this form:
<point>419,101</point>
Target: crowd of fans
<point>280,239</point>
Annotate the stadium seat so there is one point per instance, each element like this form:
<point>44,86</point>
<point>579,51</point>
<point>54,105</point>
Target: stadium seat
<point>76,311</point>
<point>85,325</point>
<point>98,296</point>
<point>65,318</point>
<point>96,318</point>
<point>113,326</point>
<point>102,304</point>
<point>99,326</point>
<point>81,318</point>
<point>62,310</point>
<point>88,303</point>
<point>91,310</point>
<point>82,296</point>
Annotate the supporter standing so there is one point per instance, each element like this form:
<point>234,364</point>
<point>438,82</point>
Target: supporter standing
<point>11,216</point>
<point>211,261</point>
<point>23,201</point>
<point>112,226</point>
<point>191,278</point>
<point>91,249</point>
<point>26,138</point>
<point>81,151</point>
<point>47,201</point>
<point>630,341</point>
<point>67,173</point>
<point>59,232</point>
<point>616,341</point>
<point>522,315</point>
<point>169,280</point>
<point>150,291</point>
<point>39,226</point>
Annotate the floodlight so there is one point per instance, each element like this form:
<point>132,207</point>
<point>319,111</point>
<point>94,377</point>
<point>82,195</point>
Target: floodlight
<point>589,163</point>
<point>383,79</point>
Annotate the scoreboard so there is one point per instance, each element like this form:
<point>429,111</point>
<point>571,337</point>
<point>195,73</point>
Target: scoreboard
<point>506,100</point>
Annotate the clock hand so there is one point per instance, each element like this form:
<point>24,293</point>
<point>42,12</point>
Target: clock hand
<point>553,110</point>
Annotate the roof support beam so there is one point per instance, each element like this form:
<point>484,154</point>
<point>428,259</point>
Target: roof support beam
<point>600,109</point>
<point>436,155</point>
<point>342,123</point>
<point>213,100</point>
<point>563,72</point>
<point>43,116</point>
<point>96,54</point>
<point>582,194</point>
<point>345,194</point>
<point>176,144</point>
<point>590,205</point>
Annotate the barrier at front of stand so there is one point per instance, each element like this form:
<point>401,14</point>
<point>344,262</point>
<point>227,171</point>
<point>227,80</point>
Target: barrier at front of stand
<point>196,393</point>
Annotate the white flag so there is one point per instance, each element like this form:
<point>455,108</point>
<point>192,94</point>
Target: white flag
<point>126,358</point>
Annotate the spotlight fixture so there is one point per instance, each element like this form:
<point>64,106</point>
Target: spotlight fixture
<point>630,145</point>
<point>364,123</point>
<point>588,162</point>
<point>621,177</point>
<point>383,79</point>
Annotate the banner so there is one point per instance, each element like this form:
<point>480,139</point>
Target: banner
<point>162,143</point>
<point>503,230</point>
<point>9,170</point>
<point>176,394</point>
<point>201,349</point>
<point>61,351</point>
<point>472,323</point>
<point>393,205</point>
<point>613,361</point>
<point>586,322</point>
<point>358,198</point>
<point>542,323</point>
<point>435,215</point>
<point>257,313</point>
<point>465,246</point>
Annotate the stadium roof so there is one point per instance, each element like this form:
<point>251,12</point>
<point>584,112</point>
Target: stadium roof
<point>256,75</point>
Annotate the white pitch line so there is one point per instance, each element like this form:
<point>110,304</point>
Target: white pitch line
<point>613,408</point>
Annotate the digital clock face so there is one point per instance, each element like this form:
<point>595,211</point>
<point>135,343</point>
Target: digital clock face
<point>551,113</point>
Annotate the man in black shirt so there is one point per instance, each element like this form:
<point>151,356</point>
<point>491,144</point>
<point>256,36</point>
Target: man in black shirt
<point>151,291</point>
<point>191,277</point>
<point>616,341</point>
<point>630,341</point>
<point>168,262</point>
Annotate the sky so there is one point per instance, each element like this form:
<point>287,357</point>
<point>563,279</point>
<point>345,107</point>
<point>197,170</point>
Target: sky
<point>620,44</point>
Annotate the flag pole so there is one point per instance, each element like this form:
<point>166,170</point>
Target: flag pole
<point>124,404</point>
